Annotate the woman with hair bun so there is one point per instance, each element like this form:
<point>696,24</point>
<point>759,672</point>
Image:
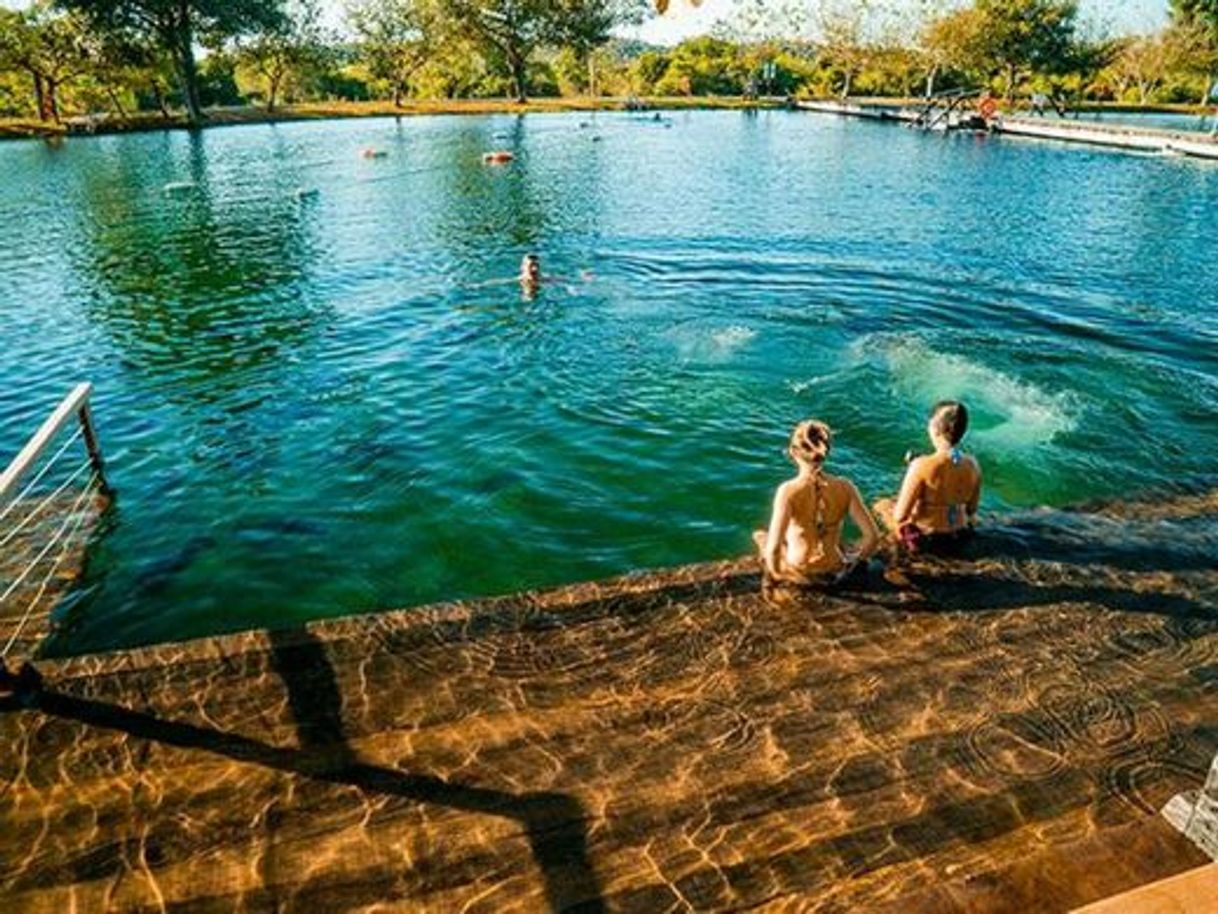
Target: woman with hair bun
<point>937,504</point>
<point>803,544</point>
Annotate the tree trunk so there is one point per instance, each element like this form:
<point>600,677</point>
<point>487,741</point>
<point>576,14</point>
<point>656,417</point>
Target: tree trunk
<point>397,93</point>
<point>160,99</point>
<point>930,80</point>
<point>846,86</point>
<point>519,77</point>
<point>272,91</point>
<point>51,95</point>
<point>116,101</point>
<point>1012,75</point>
<point>188,73</point>
<point>591,76</point>
<point>40,99</point>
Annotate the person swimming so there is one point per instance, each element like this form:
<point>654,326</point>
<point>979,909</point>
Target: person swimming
<point>938,501</point>
<point>803,544</point>
<point>530,272</point>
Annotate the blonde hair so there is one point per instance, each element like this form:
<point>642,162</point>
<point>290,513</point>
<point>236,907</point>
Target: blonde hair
<point>811,442</point>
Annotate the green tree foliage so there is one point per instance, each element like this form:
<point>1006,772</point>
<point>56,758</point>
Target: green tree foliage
<point>395,38</point>
<point>504,31</point>
<point>119,55</point>
<point>507,33</point>
<point>1197,23</point>
<point>704,66</point>
<point>178,25</point>
<point>1200,11</point>
<point>287,47</point>
<point>1009,39</point>
<point>583,26</point>
<point>50,47</point>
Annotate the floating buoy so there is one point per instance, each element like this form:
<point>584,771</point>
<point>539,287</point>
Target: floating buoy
<point>370,152</point>
<point>498,157</point>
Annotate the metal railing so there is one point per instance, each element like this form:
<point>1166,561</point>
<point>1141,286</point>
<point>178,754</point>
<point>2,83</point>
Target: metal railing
<point>45,503</point>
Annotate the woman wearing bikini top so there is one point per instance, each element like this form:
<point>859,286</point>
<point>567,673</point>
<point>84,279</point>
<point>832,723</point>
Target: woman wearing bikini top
<point>938,501</point>
<point>803,544</point>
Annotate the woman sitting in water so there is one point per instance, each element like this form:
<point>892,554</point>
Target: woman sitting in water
<point>803,544</point>
<point>938,500</point>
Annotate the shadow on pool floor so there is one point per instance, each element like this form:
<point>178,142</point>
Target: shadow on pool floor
<point>997,737</point>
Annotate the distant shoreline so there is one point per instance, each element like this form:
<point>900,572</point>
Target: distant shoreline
<point>144,122</point>
<point>147,121</point>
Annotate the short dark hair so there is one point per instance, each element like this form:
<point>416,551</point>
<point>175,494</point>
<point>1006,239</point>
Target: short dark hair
<point>949,418</point>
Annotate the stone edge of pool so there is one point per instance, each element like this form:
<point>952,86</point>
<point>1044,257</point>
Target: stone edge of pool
<point>708,577</point>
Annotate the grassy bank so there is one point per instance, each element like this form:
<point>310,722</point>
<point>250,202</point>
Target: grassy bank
<point>24,128</point>
<point>21,128</point>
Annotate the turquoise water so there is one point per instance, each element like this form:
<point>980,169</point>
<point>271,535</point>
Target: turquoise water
<point>323,405</point>
<point>1157,120</point>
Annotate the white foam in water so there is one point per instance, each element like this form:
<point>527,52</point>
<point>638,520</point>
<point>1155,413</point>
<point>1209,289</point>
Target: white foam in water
<point>1028,414</point>
<point>696,344</point>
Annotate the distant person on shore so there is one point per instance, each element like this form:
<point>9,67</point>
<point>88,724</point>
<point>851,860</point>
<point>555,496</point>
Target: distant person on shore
<point>803,544</point>
<point>987,106</point>
<point>937,504</point>
<point>1040,102</point>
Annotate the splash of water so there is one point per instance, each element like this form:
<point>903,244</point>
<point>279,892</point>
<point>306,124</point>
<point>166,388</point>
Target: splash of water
<point>1010,413</point>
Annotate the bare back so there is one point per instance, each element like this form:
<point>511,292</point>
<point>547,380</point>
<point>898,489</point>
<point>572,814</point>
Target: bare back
<point>818,509</point>
<point>944,492</point>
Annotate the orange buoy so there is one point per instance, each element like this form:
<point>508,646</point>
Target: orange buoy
<point>498,157</point>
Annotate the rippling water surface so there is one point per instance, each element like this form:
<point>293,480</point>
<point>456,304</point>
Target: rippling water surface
<point>317,395</point>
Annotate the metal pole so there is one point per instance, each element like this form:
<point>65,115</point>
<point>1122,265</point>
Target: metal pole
<point>90,435</point>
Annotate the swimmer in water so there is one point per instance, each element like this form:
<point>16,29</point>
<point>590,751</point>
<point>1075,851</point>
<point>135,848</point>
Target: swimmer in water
<point>530,273</point>
<point>803,544</point>
<point>937,504</point>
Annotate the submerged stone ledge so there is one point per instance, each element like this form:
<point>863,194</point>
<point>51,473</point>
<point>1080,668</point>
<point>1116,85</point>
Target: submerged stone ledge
<point>998,736</point>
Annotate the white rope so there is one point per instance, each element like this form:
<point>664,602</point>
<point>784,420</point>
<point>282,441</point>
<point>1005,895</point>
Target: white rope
<point>49,546</point>
<point>46,466</point>
<point>46,501</point>
<point>77,520</point>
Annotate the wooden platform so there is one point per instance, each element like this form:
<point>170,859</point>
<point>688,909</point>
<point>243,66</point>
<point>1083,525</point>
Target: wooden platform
<point>1194,892</point>
<point>996,735</point>
<point>1146,140</point>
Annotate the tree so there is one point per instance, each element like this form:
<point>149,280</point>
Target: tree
<point>395,38</point>
<point>293,43</point>
<point>177,25</point>
<point>1007,38</point>
<point>1198,21</point>
<point>585,25</point>
<point>51,47</point>
<point>505,30</point>
<point>844,39</point>
<point>1202,11</point>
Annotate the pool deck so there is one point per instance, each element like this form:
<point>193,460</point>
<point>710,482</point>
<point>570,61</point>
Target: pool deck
<point>993,735</point>
<point>1146,140</point>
